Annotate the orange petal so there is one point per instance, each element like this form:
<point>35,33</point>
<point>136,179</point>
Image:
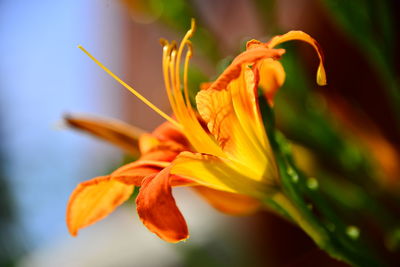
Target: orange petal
<point>165,135</point>
<point>148,142</point>
<point>134,173</point>
<point>166,154</point>
<point>156,156</point>
<point>301,36</point>
<point>176,180</point>
<point>224,174</point>
<point>157,208</point>
<point>233,119</point>
<point>216,109</point>
<point>247,57</point>
<point>118,133</point>
<point>205,85</point>
<point>93,200</point>
<point>169,132</point>
<point>272,76</point>
<point>161,148</point>
<point>229,203</point>
<point>244,91</point>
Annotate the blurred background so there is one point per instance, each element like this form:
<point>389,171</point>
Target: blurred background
<point>347,133</point>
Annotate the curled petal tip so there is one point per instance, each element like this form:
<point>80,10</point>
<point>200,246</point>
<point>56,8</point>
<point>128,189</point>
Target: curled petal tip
<point>321,75</point>
<point>302,36</point>
<point>73,233</point>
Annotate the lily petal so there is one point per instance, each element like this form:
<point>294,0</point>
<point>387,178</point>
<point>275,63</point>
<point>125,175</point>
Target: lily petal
<point>222,174</point>
<point>272,76</point>
<point>234,120</point>
<point>164,153</point>
<point>244,92</point>
<point>302,36</point>
<point>148,142</point>
<point>134,173</point>
<point>157,208</point>
<point>247,57</point>
<point>216,108</point>
<point>93,200</point>
<point>229,203</point>
<point>118,133</point>
<point>169,132</point>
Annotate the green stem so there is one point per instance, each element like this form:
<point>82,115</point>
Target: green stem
<point>315,232</point>
<point>327,242</point>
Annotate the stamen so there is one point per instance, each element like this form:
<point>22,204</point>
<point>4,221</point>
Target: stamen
<point>172,62</point>
<point>133,91</point>
<point>177,95</point>
<point>189,54</point>
<point>184,41</point>
<point>165,64</point>
<point>171,69</point>
<point>163,42</point>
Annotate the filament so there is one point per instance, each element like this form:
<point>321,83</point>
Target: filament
<point>133,91</point>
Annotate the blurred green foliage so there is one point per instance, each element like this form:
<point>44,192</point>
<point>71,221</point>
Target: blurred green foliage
<point>371,25</point>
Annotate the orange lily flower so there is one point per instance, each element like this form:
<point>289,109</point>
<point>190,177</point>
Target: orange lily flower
<point>158,149</point>
<point>223,149</point>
